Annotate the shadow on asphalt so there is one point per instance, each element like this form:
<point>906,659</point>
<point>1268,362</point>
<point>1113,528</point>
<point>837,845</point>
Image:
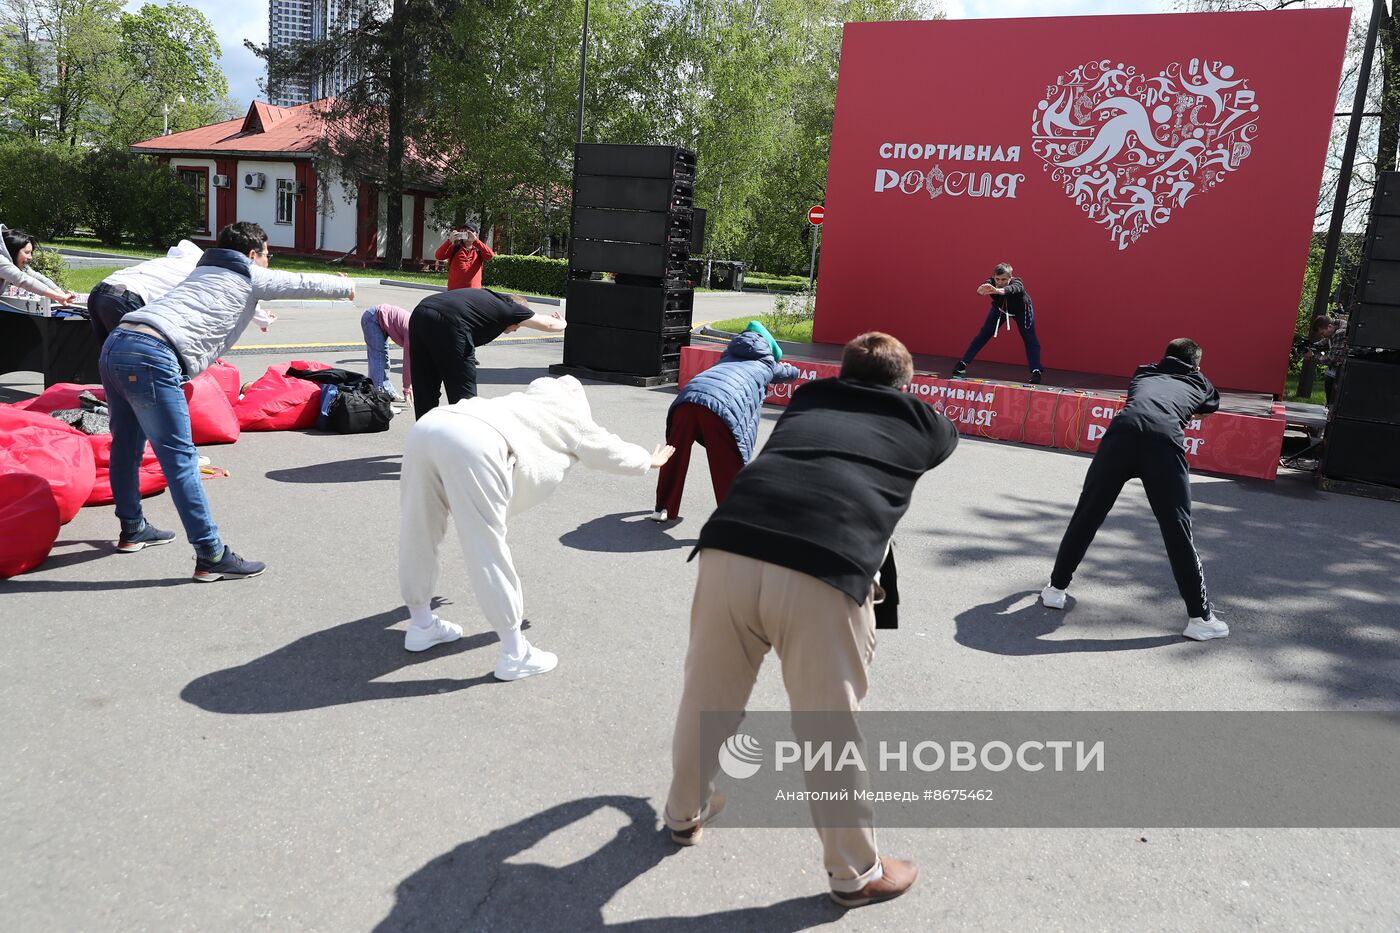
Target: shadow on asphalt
<point>476,887</point>
<point>333,667</point>
<point>361,469</point>
<point>615,534</point>
<point>998,629</point>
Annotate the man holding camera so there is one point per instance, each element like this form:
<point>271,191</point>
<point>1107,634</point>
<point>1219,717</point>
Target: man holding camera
<point>465,254</point>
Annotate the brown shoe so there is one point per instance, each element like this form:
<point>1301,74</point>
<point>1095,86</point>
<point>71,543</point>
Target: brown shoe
<point>691,837</point>
<point>899,877</point>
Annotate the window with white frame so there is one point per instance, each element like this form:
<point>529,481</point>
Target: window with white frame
<point>286,200</point>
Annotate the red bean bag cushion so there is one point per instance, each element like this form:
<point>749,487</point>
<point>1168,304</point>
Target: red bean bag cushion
<point>278,402</point>
<point>226,375</point>
<point>59,396</point>
<point>28,522</point>
<point>151,478</point>
<point>39,444</point>
<point>212,419</point>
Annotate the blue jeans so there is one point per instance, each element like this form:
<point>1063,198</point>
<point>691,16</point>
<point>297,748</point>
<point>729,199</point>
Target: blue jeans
<point>377,346</point>
<point>146,399</point>
<point>1025,323</point>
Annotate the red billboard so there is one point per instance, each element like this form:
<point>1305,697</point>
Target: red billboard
<point>1148,177</point>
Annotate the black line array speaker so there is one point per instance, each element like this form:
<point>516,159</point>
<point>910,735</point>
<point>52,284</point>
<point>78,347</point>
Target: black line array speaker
<point>633,218</point>
<point>1363,425</point>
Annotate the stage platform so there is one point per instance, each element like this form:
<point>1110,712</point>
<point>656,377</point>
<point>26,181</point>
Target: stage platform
<point>1068,410</point>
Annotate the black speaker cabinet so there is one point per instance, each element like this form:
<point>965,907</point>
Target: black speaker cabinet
<point>1386,201</point>
<point>1362,450</point>
<point>1379,282</point>
<point>1369,391</point>
<point>1374,326</point>
<point>652,308</point>
<point>653,260</point>
<point>591,223</point>
<point>624,351</point>
<point>634,161</point>
<point>633,194</point>
<point>697,231</point>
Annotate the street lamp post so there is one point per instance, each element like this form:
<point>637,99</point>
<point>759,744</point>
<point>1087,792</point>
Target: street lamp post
<point>582,70</point>
<point>165,110</point>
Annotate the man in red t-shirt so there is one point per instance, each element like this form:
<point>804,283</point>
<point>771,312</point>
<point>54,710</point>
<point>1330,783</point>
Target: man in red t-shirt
<point>465,254</point>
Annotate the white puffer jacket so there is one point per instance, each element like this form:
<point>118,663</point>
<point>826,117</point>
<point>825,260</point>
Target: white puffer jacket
<point>549,428</point>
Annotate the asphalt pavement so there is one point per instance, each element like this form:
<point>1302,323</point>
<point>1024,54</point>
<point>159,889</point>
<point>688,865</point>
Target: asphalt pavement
<point>263,754</point>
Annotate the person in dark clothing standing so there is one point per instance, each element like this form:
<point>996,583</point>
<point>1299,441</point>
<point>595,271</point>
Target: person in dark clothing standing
<point>1010,301</point>
<point>795,559</point>
<point>444,331</point>
<point>1147,441</point>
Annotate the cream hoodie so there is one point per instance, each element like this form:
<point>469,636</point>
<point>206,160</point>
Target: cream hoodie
<point>549,428</point>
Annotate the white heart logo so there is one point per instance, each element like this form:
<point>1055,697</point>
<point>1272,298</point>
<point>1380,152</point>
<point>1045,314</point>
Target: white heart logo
<point>1131,149</point>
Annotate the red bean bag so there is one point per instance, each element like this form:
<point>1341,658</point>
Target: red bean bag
<point>28,522</point>
<point>226,375</point>
<point>278,402</point>
<point>212,419</point>
<point>152,479</point>
<point>59,396</point>
<point>39,444</point>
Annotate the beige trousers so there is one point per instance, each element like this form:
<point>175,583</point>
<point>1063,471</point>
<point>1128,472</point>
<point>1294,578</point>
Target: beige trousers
<point>825,643</point>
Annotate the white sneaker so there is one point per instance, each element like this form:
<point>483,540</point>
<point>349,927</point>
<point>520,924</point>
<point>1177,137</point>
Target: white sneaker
<point>1206,629</point>
<point>1053,598</point>
<point>421,639</point>
<point>534,662</point>
<point>659,515</point>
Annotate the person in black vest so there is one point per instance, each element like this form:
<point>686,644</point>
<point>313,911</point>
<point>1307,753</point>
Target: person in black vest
<point>1010,301</point>
<point>445,330</point>
<point>795,559</point>
<point>1147,441</point>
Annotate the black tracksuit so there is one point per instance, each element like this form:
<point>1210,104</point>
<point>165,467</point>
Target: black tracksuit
<point>1147,441</point>
<point>443,334</point>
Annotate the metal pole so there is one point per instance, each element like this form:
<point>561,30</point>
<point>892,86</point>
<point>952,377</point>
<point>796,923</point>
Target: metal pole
<point>582,70</point>
<point>1339,204</point>
<point>812,268</point>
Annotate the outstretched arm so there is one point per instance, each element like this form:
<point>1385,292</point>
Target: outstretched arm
<point>549,323</point>
<point>271,284</point>
<point>784,372</point>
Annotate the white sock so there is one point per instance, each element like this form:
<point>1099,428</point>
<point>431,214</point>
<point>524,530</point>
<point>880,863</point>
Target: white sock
<point>421,616</point>
<point>513,643</point>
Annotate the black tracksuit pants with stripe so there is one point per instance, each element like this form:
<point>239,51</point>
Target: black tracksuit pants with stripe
<point>1158,460</point>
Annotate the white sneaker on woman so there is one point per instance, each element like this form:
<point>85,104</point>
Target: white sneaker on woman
<point>440,633</point>
<point>1206,629</point>
<point>533,662</point>
<point>1053,598</point>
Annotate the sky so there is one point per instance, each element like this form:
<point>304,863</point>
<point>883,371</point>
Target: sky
<point>236,20</point>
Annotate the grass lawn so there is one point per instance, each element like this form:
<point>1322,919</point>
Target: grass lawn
<point>787,330</point>
<point>1290,390</point>
<point>285,263</point>
<point>85,280</point>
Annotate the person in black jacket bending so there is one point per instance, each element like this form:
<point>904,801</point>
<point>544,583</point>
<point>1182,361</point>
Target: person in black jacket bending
<point>793,559</point>
<point>1010,300</point>
<point>1147,441</point>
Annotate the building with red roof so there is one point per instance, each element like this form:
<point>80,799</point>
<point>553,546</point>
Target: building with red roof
<point>262,168</point>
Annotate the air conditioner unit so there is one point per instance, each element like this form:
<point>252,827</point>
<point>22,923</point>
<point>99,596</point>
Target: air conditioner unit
<point>301,188</point>
<point>254,180</point>
<point>221,181</point>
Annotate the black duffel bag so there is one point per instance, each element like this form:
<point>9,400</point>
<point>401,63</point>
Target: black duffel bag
<point>360,408</point>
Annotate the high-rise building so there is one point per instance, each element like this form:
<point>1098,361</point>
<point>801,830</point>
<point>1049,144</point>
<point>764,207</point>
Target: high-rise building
<point>292,22</point>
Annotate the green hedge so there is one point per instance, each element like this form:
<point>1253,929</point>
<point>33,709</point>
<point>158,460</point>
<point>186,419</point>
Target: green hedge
<point>532,275</point>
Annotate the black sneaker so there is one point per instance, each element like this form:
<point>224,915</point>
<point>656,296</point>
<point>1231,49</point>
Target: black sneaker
<point>960,370</point>
<point>148,536</point>
<point>1035,377</point>
<point>229,565</point>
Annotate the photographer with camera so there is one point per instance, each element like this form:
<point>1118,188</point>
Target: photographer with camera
<point>1324,345</point>
<point>465,254</point>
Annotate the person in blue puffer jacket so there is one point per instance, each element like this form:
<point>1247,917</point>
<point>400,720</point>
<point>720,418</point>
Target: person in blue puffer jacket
<point>719,408</point>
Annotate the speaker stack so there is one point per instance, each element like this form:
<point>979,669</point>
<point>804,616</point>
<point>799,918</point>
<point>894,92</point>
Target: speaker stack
<point>633,217</point>
<point>1362,450</point>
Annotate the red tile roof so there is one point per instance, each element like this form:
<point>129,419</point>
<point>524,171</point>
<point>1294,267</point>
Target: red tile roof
<point>264,130</point>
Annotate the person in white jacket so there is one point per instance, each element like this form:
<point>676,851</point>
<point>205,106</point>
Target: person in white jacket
<point>16,248</point>
<point>481,460</point>
<point>154,351</point>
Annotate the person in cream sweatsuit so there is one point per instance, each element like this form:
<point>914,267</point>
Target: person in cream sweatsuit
<point>481,460</point>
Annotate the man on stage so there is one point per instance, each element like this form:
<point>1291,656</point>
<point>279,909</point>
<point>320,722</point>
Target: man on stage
<point>1147,441</point>
<point>1010,301</point>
